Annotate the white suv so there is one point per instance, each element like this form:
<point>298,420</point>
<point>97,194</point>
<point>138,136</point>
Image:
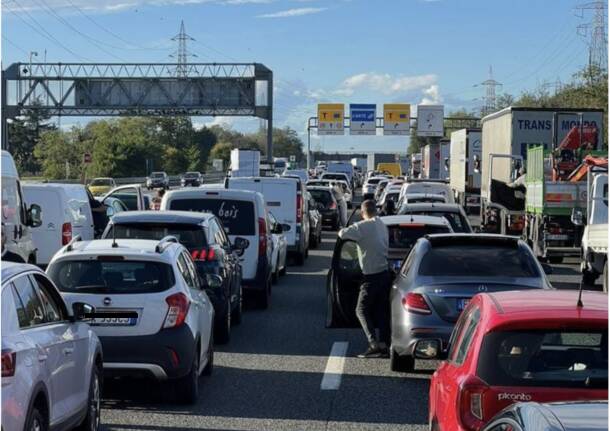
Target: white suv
<point>51,359</point>
<point>152,313</point>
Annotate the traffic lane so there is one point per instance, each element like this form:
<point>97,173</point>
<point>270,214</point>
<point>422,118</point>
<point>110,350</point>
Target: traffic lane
<point>268,377</point>
<point>567,275</point>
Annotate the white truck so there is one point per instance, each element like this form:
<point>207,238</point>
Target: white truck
<point>465,178</point>
<point>245,163</point>
<point>594,242</point>
<point>415,171</point>
<point>431,161</point>
<point>506,135</point>
<point>445,155</point>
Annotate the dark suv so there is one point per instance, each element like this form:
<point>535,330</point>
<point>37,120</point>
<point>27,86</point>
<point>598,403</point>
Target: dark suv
<point>204,237</point>
<point>157,180</point>
<point>193,179</point>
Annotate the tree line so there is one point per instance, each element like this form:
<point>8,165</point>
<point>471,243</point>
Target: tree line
<point>131,146</point>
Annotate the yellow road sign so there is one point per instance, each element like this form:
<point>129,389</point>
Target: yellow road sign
<point>330,118</point>
<point>396,118</point>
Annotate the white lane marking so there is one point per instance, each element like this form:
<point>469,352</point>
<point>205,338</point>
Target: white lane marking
<point>334,367</point>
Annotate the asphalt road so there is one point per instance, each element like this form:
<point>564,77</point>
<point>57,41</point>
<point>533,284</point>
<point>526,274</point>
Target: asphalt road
<point>269,376</point>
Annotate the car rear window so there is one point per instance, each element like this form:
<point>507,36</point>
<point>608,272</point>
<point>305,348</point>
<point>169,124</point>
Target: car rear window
<point>455,219</point>
<point>374,181</point>
<point>190,236</point>
<point>321,196</point>
<point>406,235</point>
<point>478,261</point>
<point>237,216</point>
<point>111,276</point>
<point>549,358</point>
<point>333,177</point>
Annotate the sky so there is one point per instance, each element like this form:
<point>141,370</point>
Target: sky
<point>338,51</point>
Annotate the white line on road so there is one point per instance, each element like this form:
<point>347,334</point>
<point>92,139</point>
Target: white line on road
<point>334,367</point>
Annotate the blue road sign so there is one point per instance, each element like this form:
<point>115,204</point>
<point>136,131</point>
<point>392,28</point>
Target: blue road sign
<point>362,119</point>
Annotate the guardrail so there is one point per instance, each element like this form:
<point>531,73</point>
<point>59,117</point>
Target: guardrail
<point>174,180</point>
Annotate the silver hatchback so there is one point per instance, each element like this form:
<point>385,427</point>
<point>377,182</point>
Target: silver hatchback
<point>439,277</point>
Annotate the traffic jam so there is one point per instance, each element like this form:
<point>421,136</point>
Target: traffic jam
<point>441,271</point>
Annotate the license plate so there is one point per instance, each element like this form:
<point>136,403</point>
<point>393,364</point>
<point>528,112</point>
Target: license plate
<point>462,303</point>
<point>114,321</point>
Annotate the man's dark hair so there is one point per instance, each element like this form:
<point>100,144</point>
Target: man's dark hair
<point>369,207</point>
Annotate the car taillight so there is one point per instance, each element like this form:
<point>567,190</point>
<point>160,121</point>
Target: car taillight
<point>66,233</point>
<point>470,403</point>
<point>415,303</point>
<point>204,255</point>
<point>178,307</point>
<point>262,237</point>
<point>333,205</point>
<point>8,363</point>
<point>299,208</point>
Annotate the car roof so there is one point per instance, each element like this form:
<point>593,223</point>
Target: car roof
<point>133,248</point>
<point>10,269</point>
<point>415,219</point>
<point>463,239</point>
<point>192,217</point>
<point>544,307</point>
<point>431,206</point>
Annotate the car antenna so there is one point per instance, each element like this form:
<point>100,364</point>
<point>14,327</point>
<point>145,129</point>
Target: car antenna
<point>114,244</point>
<point>579,303</point>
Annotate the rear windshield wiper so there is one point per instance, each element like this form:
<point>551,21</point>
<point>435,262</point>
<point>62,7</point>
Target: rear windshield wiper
<point>91,287</point>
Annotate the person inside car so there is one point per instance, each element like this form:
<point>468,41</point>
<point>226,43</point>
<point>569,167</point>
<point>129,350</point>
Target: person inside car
<point>371,235</point>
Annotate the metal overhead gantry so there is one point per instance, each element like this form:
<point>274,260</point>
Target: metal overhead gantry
<point>452,123</point>
<point>139,89</point>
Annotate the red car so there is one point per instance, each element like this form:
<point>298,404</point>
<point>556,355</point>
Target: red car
<point>516,346</point>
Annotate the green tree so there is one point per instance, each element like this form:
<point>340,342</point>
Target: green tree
<point>221,150</point>
<point>25,133</point>
<point>60,155</point>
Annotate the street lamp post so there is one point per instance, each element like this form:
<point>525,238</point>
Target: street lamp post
<point>35,54</point>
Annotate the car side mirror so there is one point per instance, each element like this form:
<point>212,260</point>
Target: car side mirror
<point>428,349</point>
<point>82,311</point>
<point>548,269</point>
<point>577,217</point>
<point>109,211</point>
<point>240,245</point>
<point>34,216</point>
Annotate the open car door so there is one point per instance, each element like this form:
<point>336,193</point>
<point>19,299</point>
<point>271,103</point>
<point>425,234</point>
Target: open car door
<point>131,195</point>
<point>343,286</point>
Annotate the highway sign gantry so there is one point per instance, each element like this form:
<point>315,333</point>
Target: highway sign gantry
<point>396,118</point>
<point>430,120</point>
<point>330,118</point>
<point>362,119</point>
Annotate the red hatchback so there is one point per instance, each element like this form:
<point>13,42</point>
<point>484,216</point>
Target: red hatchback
<point>519,346</point>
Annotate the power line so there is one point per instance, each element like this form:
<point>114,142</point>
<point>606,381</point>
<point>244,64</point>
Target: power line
<point>14,45</point>
<point>42,31</point>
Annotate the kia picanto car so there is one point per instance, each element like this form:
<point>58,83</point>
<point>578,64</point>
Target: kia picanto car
<point>51,358</point>
<point>519,346</point>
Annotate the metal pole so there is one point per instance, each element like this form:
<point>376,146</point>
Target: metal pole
<point>270,118</point>
<point>308,146</point>
<point>4,116</point>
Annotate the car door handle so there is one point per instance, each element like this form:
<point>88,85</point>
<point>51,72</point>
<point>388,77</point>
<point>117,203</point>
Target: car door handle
<point>68,351</point>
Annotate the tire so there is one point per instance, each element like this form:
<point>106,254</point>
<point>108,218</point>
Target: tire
<point>555,259</point>
<point>222,327</point>
<point>283,270</point>
<point>401,363</point>
<point>236,315</point>
<point>187,387</point>
<point>209,367</point>
<point>264,296</point>
<point>276,274</point>
<point>605,275</point>
<point>333,318</point>
<point>91,422</point>
<point>588,278</point>
<point>336,224</point>
<point>36,421</point>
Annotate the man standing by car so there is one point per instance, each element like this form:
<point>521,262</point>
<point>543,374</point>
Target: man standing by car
<point>371,235</point>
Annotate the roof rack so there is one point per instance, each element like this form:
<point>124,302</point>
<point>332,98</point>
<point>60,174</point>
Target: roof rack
<point>70,246</point>
<point>165,242</point>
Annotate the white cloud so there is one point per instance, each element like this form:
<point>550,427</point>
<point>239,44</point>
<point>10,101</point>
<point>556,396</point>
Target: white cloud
<point>384,83</point>
<point>431,95</point>
<point>293,12</point>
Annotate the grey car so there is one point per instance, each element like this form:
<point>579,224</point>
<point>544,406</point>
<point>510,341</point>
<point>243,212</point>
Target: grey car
<point>452,212</point>
<point>570,416</point>
<point>442,273</point>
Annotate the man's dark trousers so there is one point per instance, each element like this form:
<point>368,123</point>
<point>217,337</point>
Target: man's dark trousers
<point>373,308</point>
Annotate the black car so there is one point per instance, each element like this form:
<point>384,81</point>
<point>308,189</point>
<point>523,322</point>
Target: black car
<point>203,235</point>
<point>326,204</point>
<point>567,416</point>
<point>454,213</point>
<point>192,179</point>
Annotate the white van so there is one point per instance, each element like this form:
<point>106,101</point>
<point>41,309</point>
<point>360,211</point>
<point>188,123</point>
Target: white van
<point>65,213</point>
<point>243,214</point>
<point>429,188</point>
<point>17,218</point>
<point>284,197</point>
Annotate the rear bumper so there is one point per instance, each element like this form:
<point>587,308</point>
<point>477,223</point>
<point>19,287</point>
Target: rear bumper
<point>330,218</point>
<point>406,334</point>
<point>168,354</point>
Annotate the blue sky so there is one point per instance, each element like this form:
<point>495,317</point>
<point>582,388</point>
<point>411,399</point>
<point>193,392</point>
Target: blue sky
<point>350,51</point>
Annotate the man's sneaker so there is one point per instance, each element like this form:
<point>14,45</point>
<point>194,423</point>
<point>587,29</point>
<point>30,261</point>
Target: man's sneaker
<point>372,352</point>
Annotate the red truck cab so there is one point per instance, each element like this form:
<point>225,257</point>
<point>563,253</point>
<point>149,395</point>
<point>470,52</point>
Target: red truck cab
<point>519,346</point>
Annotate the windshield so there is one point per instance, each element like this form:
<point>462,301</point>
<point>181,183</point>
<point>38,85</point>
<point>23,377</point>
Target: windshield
<point>550,358</point>
<point>405,235</point>
<point>237,216</point>
<point>374,181</point>
<point>190,236</point>
<point>111,276</point>
<point>101,182</point>
<point>322,196</point>
<point>478,261</point>
<point>458,224</point>
<point>191,175</point>
<point>157,174</point>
